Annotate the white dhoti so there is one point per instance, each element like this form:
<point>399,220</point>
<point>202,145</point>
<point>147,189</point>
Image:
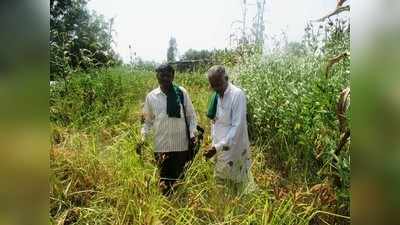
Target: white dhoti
<point>230,137</point>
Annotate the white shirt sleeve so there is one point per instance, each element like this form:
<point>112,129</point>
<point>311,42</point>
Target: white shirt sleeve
<point>148,117</point>
<point>190,114</point>
<point>238,122</point>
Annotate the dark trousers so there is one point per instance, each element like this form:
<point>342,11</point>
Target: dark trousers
<point>172,167</point>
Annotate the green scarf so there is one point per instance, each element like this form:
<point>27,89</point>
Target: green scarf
<point>173,102</point>
<point>212,105</point>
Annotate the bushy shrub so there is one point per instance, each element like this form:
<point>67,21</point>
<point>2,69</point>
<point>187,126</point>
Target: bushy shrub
<point>96,99</point>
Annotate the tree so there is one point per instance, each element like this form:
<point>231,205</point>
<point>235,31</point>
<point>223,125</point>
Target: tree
<point>193,54</point>
<point>201,60</point>
<point>249,40</point>
<point>258,24</point>
<point>295,48</point>
<point>172,50</point>
<point>78,39</point>
<point>193,60</point>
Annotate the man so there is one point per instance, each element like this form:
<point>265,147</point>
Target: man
<point>230,140</point>
<point>163,111</point>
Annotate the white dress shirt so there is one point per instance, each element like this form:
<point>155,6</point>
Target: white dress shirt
<point>230,136</point>
<point>169,132</point>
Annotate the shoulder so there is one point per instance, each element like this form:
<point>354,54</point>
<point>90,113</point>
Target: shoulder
<point>237,91</point>
<point>184,91</point>
<point>155,90</point>
<point>153,93</point>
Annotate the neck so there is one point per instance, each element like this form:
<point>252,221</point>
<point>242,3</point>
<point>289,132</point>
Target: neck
<point>223,91</point>
<point>165,89</point>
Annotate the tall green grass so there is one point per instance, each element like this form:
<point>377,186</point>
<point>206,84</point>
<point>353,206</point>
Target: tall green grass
<point>97,178</point>
<point>293,114</point>
<point>294,107</point>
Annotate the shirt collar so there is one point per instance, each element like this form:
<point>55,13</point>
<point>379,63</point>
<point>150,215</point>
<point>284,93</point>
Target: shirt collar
<point>228,89</point>
<point>158,91</point>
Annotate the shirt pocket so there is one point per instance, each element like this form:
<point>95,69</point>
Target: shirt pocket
<point>161,109</point>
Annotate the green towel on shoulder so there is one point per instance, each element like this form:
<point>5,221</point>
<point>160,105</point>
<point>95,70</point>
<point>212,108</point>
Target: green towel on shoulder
<point>212,105</point>
<point>173,101</point>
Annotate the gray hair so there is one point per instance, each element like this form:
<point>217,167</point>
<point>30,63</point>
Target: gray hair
<point>217,70</point>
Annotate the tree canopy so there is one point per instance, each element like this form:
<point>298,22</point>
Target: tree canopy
<point>79,39</point>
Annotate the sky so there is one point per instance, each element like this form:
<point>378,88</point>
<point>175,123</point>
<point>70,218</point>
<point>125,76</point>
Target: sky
<point>147,25</point>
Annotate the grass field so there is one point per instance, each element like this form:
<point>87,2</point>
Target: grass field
<point>97,177</point>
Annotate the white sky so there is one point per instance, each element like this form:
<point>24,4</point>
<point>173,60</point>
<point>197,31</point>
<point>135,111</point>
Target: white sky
<point>199,24</point>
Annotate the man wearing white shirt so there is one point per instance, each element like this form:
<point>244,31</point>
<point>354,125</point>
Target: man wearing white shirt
<point>230,140</point>
<point>164,113</point>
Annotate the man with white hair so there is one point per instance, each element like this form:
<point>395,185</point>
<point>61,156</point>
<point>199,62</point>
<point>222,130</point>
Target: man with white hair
<point>230,139</point>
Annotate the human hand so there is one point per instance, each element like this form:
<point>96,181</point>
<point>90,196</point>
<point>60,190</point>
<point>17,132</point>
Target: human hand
<point>210,153</point>
<point>192,142</point>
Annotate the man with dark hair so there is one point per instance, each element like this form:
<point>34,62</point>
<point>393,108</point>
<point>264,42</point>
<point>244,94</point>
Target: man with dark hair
<point>169,111</point>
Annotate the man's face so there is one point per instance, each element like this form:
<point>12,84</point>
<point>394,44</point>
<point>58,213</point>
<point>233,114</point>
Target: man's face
<point>165,79</point>
<point>218,83</point>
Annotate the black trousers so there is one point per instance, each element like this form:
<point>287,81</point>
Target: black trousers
<point>172,167</point>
